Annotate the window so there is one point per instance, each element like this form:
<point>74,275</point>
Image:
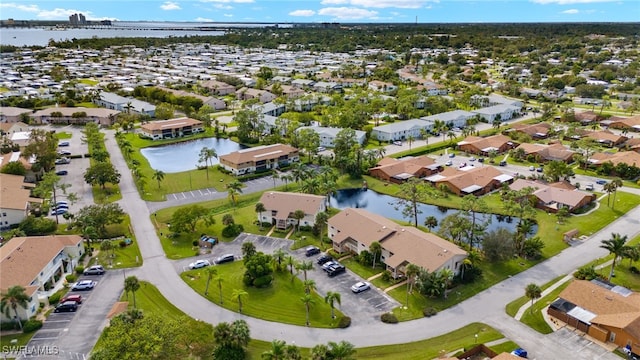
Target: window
<point>612,336</point>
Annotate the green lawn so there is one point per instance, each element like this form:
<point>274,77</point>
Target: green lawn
<point>279,302</point>
<point>533,315</point>
<point>110,193</point>
<point>149,299</point>
<point>91,82</point>
<point>63,135</point>
<point>123,257</point>
<point>363,271</point>
<point>513,307</point>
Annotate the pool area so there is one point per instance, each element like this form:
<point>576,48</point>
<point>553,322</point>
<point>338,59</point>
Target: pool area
<point>384,205</point>
<point>184,156</point>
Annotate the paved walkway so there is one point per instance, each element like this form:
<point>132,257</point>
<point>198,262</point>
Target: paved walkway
<point>487,306</point>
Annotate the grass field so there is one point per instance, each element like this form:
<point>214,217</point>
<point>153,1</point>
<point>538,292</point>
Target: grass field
<point>280,302</point>
<point>63,135</point>
<point>513,307</point>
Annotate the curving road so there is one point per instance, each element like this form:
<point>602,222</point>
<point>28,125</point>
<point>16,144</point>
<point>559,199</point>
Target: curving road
<point>487,306</point>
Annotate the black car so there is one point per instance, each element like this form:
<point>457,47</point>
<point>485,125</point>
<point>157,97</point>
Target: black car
<point>336,270</point>
<point>503,163</point>
<point>323,259</point>
<point>311,250</point>
<point>224,259</point>
<point>67,306</point>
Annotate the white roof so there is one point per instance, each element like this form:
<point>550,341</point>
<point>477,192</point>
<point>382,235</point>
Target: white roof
<point>503,178</point>
<point>581,314</point>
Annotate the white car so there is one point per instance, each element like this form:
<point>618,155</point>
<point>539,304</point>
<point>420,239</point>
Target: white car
<point>199,264</point>
<point>360,287</point>
<point>83,285</point>
<point>449,163</point>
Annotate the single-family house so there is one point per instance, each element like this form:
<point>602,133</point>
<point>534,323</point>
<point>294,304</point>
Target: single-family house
<point>7,128</point>
<point>401,130</point>
<point>633,145</point>
<point>501,112</point>
<point>289,91</point>
<point>434,89</point>
<point>587,117</point>
<point>75,116</point>
<point>328,134</point>
<point>535,131</point>
<point>606,137</point>
<point>16,199</point>
<point>114,101</point>
<point>544,153</point>
<point>271,109</point>
<point>327,87</point>
<point>248,93</point>
<point>30,175</point>
<point>259,158</point>
<point>211,101</point>
<point>609,313</point>
<point>400,170</point>
<point>39,264</point>
<point>552,197</point>
<point>470,180</point>
<point>630,158</point>
<point>302,83</point>
<point>495,99</point>
<point>10,114</point>
<point>455,118</point>
<point>172,128</point>
<point>218,87</point>
<point>382,86</point>
<point>484,145</point>
<point>354,230</point>
<point>630,123</point>
<point>280,207</point>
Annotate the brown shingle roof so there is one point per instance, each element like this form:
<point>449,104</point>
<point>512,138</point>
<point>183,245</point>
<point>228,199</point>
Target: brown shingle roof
<point>461,179</point>
<point>409,165</point>
<point>170,124</point>
<point>14,193</point>
<point>258,153</point>
<point>630,158</point>
<point>559,192</point>
<point>480,143</point>
<point>541,129</point>
<point>286,203</point>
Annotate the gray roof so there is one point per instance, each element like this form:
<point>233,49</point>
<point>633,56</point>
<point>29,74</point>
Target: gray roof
<point>330,131</point>
<point>495,109</point>
<point>449,115</point>
<point>403,125</point>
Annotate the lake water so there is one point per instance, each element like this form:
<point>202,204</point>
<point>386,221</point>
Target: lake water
<point>384,205</point>
<point>184,156</point>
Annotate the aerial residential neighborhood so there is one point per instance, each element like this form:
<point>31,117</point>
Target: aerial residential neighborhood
<point>291,192</point>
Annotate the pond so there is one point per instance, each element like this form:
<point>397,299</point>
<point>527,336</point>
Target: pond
<point>184,156</point>
<point>384,205</point>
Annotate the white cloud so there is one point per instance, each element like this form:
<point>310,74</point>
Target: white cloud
<point>54,14</point>
<point>27,8</point>
<point>302,13</point>
<point>347,13</point>
<point>229,1</point>
<point>381,4</point>
<point>228,15</point>
<point>571,11</point>
<point>223,7</point>
<point>201,19</point>
<point>170,5</point>
<point>569,2</point>
<point>334,2</point>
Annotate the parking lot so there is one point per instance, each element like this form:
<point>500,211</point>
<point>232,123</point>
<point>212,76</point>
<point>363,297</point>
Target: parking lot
<point>71,335</point>
<point>364,307</point>
<point>580,345</point>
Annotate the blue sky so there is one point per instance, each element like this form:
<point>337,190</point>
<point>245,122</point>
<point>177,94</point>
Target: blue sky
<point>426,11</point>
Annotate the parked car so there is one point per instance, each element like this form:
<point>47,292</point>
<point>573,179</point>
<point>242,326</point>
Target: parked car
<point>67,306</point>
<point>62,172</point>
<point>323,259</point>
<point>449,163</point>
<point>61,202</point>
<point>83,285</point>
<point>62,161</point>
<point>452,155</point>
<point>399,143</point>
<point>472,158</point>
<point>329,264</point>
<point>601,182</point>
<point>520,352</point>
<point>64,152</point>
<point>503,163</point>
<point>61,206</point>
<point>60,211</point>
<point>225,258</point>
<point>336,270</point>
<point>360,287</point>
<point>311,250</point>
<point>532,168</point>
<point>462,165</point>
<point>589,187</point>
<point>94,270</point>
<point>481,159</point>
<point>199,264</point>
<point>63,143</point>
<point>76,298</point>
<point>539,169</point>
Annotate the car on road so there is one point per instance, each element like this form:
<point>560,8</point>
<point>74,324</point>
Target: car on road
<point>503,163</point>
<point>336,270</point>
<point>73,297</point>
<point>199,264</point>
<point>452,155</point>
<point>67,306</point>
<point>311,250</point>
<point>59,211</point>
<point>449,163</point>
<point>539,169</point>
<point>62,172</point>
<point>323,259</point>
<point>83,285</point>
<point>225,258</point>
<point>532,168</point>
<point>601,182</point>
<point>481,160</point>
<point>360,287</point>
<point>64,152</point>
<point>63,143</point>
<point>472,158</point>
<point>399,143</point>
<point>62,161</point>
<point>94,270</point>
<point>589,187</point>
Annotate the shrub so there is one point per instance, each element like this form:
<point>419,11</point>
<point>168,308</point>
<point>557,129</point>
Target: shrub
<point>386,275</point>
<point>55,298</point>
<point>389,318</point>
<point>429,312</point>
<point>306,228</point>
<point>122,244</point>
<point>634,270</point>
<point>263,281</point>
<point>344,322</point>
<point>195,243</point>
<point>31,326</point>
<point>232,230</point>
<point>79,269</point>
<point>71,278</point>
<point>586,273</point>
<point>8,325</point>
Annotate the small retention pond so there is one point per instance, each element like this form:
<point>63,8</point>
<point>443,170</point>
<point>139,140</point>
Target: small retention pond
<point>184,156</point>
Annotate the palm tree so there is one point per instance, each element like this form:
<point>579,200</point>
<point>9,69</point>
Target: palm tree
<point>440,126</point>
<point>14,297</point>
<point>291,262</point>
<point>158,175</point>
<point>308,300</point>
<point>331,298</point>
<point>342,350</point>
<point>286,178</point>
<point>609,188</point>
<point>617,183</point>
<point>260,209</point>
<point>616,246</point>
<point>275,177</point>
<point>431,222</point>
<point>446,275</point>
<point>298,215</point>
<point>219,279</point>
<point>277,351</point>
<point>131,285</point>
<point>210,271</point>
<point>532,292</point>
<point>309,286</point>
<point>304,266</point>
<point>206,154</point>
<point>233,189</point>
<point>411,271</point>
<point>238,294</point>
<point>410,140</point>
<point>278,256</point>
<point>375,249</point>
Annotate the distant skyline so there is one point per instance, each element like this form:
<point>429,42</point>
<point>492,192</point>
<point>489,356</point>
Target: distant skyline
<point>345,11</point>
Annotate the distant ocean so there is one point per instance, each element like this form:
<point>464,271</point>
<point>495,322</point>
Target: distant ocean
<point>40,36</point>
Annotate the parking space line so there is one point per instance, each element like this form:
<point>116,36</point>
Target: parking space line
<point>54,321</point>
<point>200,192</point>
<point>184,196</point>
<point>174,197</point>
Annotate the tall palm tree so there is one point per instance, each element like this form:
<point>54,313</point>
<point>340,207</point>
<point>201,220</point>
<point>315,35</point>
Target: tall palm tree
<point>277,351</point>
<point>278,256</point>
<point>430,222</point>
<point>304,266</point>
<point>309,286</point>
<point>210,271</point>
<point>411,271</point>
<point>131,285</point>
<point>609,188</point>
<point>321,221</point>
<point>617,184</point>
<point>616,246</point>
<point>206,155</point>
<point>376,250</point>
<point>298,215</point>
<point>342,350</point>
<point>275,177</point>
<point>331,298</point>
<point>260,209</point>
<point>233,189</point>
<point>446,275</point>
<point>158,175</point>
<point>532,292</point>
<point>219,279</point>
<point>291,262</point>
<point>308,300</point>
<point>14,297</point>
<point>238,294</point>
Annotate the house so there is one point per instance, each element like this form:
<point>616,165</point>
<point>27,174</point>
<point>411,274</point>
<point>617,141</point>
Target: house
<point>354,230</point>
<point>455,118</point>
<point>470,180</point>
<point>629,124</point>
<point>401,130</point>
<point>606,137</point>
<point>123,104</point>
<point>328,134</point>
<point>211,101</point>
<point>607,312</point>
<point>10,114</point>
<point>259,158</point>
<point>270,108</point>
<point>39,264</point>
<point>327,87</point>
<point>484,145</point>
<point>289,91</point>
<point>302,83</point>
<point>495,99</point>
<point>633,145</point>
<point>501,112</point>
<point>16,199</point>
<point>631,158</point>
<point>13,127</point>
<point>535,131</point>
<point>552,197</point>
<point>587,117</point>
<point>544,153</point>
<point>218,87</point>
<point>75,116</point>
<point>377,85</point>
<point>280,207</point>
<point>172,128</point>
<point>262,95</point>
<point>400,170</point>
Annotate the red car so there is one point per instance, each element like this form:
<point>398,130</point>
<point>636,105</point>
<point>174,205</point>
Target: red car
<point>76,298</point>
